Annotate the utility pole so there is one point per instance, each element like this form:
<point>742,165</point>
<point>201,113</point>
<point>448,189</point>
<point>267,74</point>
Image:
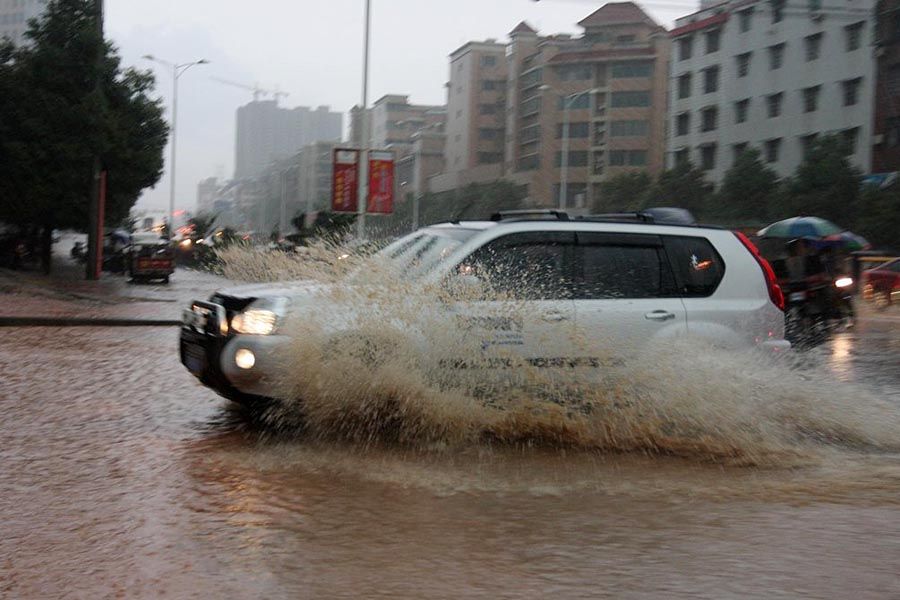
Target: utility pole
<point>95,224</point>
<point>364,150</point>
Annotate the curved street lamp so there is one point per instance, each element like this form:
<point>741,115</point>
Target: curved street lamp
<point>178,70</point>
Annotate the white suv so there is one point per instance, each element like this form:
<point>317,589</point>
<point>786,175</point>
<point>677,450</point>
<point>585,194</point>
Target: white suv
<point>618,281</point>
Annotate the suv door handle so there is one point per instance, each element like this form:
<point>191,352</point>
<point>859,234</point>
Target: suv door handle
<point>554,316</point>
<point>659,315</point>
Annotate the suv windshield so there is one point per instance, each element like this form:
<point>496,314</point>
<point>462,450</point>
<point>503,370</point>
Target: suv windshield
<point>421,252</point>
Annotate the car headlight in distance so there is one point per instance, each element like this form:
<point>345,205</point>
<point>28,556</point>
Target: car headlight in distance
<point>843,282</point>
<point>255,321</point>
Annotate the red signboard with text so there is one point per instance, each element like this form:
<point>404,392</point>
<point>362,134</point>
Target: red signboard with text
<point>345,180</point>
<point>381,182</point>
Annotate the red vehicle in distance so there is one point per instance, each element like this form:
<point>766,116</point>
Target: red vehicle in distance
<point>882,284</point>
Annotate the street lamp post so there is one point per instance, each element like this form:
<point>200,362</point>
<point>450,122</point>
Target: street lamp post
<point>364,150</point>
<point>177,71</point>
<point>568,101</point>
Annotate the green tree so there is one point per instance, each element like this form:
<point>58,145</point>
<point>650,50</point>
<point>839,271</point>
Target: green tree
<point>683,186</point>
<point>59,107</point>
<point>879,216</point>
<point>748,188</point>
<point>624,192</point>
<point>826,184</point>
<point>331,226</point>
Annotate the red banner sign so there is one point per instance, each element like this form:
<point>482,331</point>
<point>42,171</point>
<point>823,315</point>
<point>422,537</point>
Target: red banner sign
<point>381,182</point>
<point>345,180</point>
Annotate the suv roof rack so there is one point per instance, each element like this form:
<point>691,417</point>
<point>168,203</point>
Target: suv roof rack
<point>639,217</point>
<point>530,214</point>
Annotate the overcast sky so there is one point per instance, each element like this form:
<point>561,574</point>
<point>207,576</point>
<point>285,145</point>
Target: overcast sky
<point>311,49</point>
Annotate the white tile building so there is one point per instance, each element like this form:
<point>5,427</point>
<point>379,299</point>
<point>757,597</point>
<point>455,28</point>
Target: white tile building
<point>773,75</point>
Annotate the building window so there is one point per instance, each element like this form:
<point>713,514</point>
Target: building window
<point>773,102</point>
<point>599,133</point>
<point>682,157</point>
<point>632,69</point>
<point>577,158</point>
<point>743,64</point>
<point>487,109</point>
<point>529,163</point>
<point>776,56</point>
<point>853,35</point>
<point>576,130</point>
<point>710,80</point>
<point>578,102</point>
<point>709,118</point>
<point>777,10</point>
<point>598,164</point>
<point>488,133</point>
<point>708,157</point>
<point>630,99</point>
<point>489,158</point>
<point>488,61</point>
<point>745,20</point>
<point>683,124</point>
<point>811,98</point>
<point>807,142</point>
<point>739,149</point>
<point>685,47</point>
<point>684,86</point>
<point>628,128</point>
<point>850,138</point>
<point>531,106</point>
<point>741,108</point>
<point>489,85</point>
<point>628,158</point>
<point>813,46</point>
<point>851,91</point>
<point>712,41</point>
<point>574,72</point>
<point>771,148</point>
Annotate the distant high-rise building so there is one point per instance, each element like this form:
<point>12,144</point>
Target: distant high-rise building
<point>207,190</point>
<point>14,16</point>
<point>267,133</point>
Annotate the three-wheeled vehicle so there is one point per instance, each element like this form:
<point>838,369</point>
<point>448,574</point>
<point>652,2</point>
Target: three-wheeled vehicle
<point>150,257</point>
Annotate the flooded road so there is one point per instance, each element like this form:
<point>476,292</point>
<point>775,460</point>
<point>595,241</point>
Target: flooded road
<point>122,476</point>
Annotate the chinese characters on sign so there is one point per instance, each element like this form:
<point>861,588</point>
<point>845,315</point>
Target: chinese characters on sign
<point>381,182</point>
<point>345,180</point>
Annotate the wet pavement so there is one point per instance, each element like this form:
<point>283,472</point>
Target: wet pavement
<point>123,477</point>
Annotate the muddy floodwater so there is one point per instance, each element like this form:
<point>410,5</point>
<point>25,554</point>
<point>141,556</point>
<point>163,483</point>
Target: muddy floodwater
<point>123,477</point>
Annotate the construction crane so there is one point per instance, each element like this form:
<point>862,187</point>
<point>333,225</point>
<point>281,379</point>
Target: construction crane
<point>257,91</point>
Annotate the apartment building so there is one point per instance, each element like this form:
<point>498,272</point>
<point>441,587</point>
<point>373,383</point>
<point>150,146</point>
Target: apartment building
<point>14,16</point>
<point>267,133</point>
<point>772,75</point>
<point>886,138</point>
<point>476,97</point>
<point>394,121</point>
<point>207,192</point>
<point>608,84</point>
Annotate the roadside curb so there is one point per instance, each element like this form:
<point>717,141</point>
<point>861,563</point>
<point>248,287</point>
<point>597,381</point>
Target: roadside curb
<point>84,322</point>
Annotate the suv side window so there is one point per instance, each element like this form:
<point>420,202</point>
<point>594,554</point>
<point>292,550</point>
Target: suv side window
<point>697,266</point>
<point>610,266</point>
<point>526,266</point>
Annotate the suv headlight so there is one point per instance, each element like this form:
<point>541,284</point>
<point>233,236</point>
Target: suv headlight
<point>261,317</point>
<point>256,321</point>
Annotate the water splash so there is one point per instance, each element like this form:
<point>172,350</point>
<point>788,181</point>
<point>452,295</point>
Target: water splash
<point>379,362</point>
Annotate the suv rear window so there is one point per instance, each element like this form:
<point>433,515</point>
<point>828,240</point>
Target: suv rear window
<point>697,266</point>
<point>622,266</point>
